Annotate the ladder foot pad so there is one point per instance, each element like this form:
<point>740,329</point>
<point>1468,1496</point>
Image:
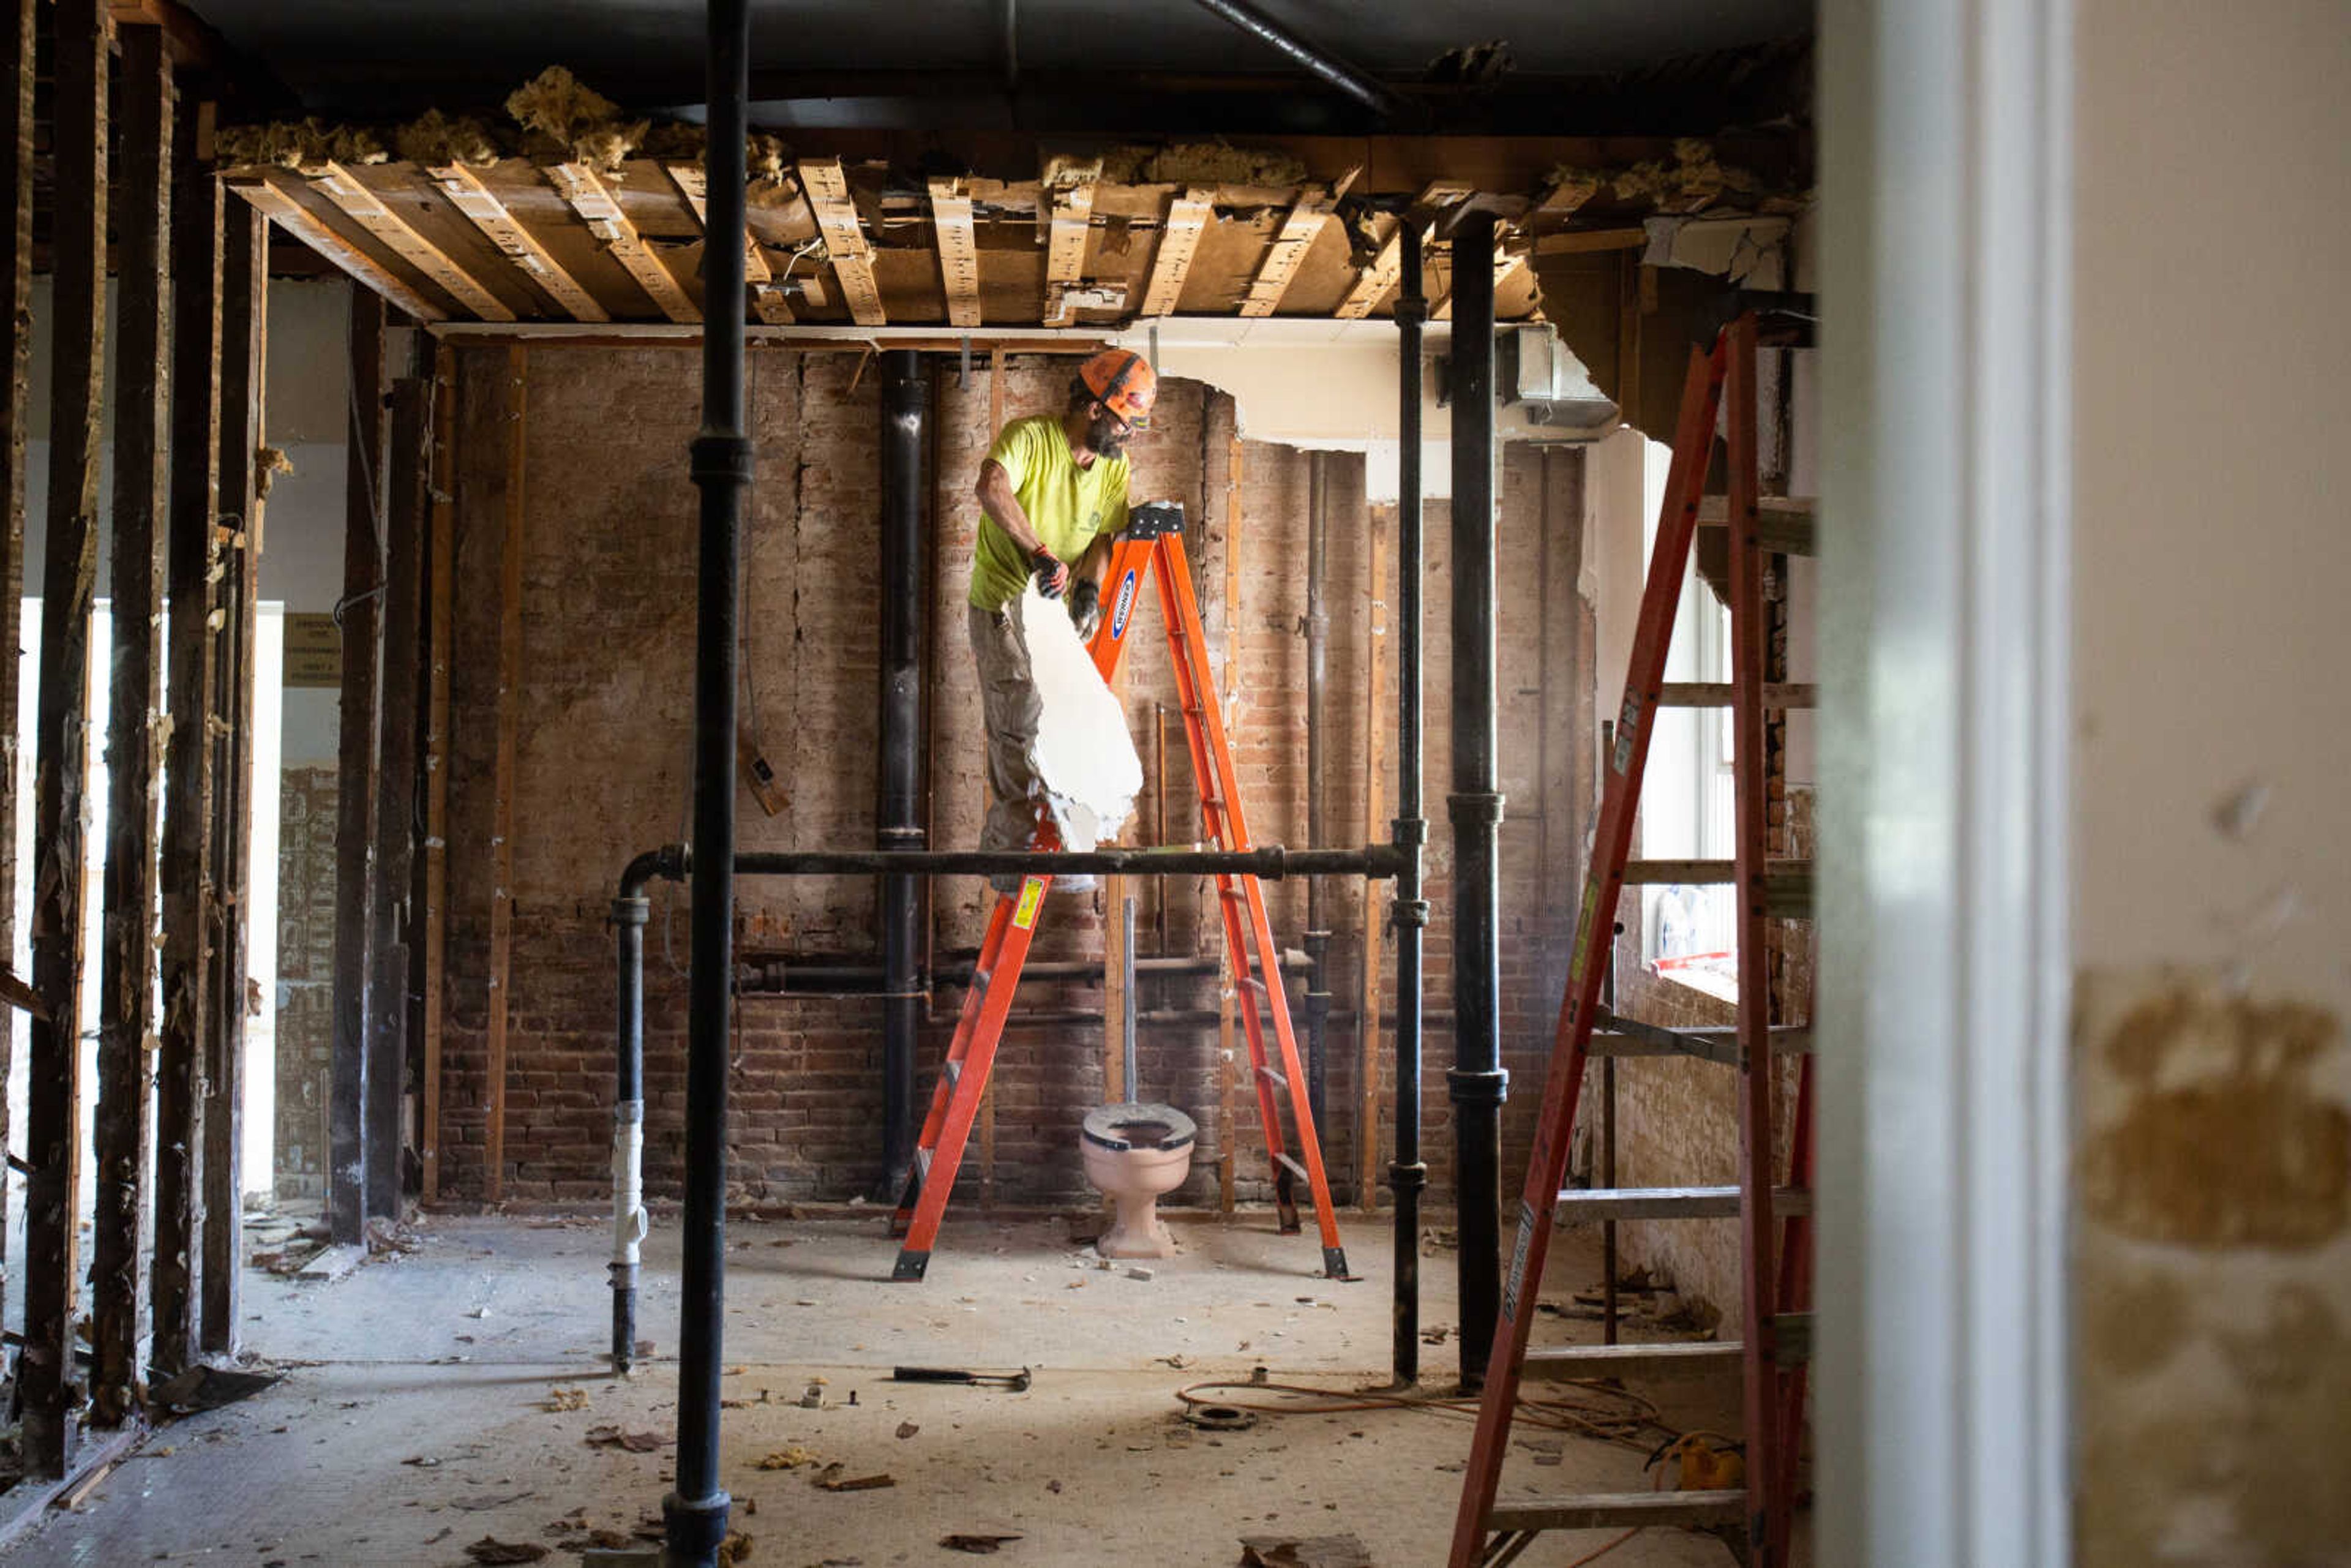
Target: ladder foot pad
<point>911,1265</point>
<point>1619,1510</point>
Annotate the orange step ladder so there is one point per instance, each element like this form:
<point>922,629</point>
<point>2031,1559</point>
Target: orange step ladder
<point>1754,1519</point>
<point>1151,545</point>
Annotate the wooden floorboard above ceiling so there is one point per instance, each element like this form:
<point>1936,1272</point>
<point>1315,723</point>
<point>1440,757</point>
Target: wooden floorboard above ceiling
<point>847,238</point>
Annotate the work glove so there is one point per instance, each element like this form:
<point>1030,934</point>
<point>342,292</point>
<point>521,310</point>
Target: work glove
<point>1085,607</point>
<point>1050,574</point>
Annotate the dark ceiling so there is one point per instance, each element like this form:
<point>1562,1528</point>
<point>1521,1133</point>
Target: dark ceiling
<point>1043,65</point>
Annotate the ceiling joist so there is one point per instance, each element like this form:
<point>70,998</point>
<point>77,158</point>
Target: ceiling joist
<point>1179,240</point>
<point>959,250</point>
<point>693,182</point>
<point>368,210</point>
<point>483,209</point>
<point>297,220</point>
<point>1301,228</point>
<point>826,185</point>
<point>1065,248</point>
<point>591,198</point>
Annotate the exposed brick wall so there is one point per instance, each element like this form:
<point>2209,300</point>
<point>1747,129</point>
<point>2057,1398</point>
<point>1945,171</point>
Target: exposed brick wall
<point>306,976</point>
<point>602,765</point>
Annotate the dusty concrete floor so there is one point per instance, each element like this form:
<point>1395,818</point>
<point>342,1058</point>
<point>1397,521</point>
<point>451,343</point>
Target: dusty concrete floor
<point>416,1413</point>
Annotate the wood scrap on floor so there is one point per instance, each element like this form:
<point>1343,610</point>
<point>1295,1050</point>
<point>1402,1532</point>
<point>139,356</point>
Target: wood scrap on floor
<point>1304,1552</point>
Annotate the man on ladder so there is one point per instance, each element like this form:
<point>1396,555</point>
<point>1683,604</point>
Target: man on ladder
<point>1053,491</point>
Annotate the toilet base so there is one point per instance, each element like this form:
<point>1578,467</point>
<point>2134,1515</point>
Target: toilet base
<point>1137,1231</point>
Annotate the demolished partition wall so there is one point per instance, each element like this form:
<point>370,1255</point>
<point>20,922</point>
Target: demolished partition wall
<point>600,767</point>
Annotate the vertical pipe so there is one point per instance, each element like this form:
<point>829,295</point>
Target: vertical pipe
<point>905,402</point>
<point>696,1512</point>
<point>1318,724</point>
<point>629,912</point>
<point>1477,1081</point>
<point>1407,1175</point>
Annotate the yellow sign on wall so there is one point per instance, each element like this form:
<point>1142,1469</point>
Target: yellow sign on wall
<point>314,651</point>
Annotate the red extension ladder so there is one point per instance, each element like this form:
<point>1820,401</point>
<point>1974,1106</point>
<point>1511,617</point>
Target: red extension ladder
<point>1755,1520</point>
<point>1151,545</point>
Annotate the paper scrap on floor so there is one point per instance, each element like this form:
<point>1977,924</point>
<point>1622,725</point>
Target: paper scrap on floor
<point>1083,756</point>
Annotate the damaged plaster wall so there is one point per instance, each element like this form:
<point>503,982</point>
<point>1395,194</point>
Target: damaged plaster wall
<point>2213,1251</point>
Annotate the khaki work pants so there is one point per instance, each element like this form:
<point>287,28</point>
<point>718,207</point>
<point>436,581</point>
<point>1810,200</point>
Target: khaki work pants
<point>1010,707</point>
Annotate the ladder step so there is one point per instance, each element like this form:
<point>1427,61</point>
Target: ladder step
<point>1251,982</point>
<point>1274,1078</point>
<point>1722,694</point>
<point>1585,1206</point>
<point>922,1163</point>
<point>1618,1511</point>
<point>1700,1359</point>
<point>954,1070</point>
<point>1787,885</point>
<point>1292,1166</point>
<point>1784,525</point>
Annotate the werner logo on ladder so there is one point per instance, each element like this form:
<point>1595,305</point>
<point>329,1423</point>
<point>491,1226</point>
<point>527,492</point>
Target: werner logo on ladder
<point>1152,545</point>
<point>1753,1512</point>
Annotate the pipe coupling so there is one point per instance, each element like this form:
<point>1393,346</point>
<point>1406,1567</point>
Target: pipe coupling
<point>1469,1086</point>
<point>696,1527</point>
<point>1409,914</point>
<point>631,910</point>
<point>1409,830</point>
<point>1469,808</point>
<point>1405,1178</point>
<point>725,459</point>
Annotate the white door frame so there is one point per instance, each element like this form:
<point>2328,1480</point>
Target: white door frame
<point>1945,782</point>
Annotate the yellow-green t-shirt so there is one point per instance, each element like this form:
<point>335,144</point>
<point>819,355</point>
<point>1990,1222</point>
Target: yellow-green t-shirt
<point>1067,506</point>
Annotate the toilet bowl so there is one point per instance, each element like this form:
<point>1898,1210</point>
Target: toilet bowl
<point>1133,1154</point>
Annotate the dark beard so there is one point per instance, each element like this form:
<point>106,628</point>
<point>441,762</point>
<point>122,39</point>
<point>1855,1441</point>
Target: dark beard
<point>1103,436</point>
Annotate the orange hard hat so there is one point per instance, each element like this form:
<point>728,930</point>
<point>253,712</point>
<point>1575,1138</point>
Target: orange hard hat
<point>1123,382</point>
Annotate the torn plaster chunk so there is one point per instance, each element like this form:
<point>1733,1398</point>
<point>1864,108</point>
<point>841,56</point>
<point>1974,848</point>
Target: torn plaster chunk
<point>1084,757</point>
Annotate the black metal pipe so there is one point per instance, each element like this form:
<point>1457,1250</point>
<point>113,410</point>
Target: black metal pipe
<point>1267,862</point>
<point>1356,84</point>
<point>696,1512</point>
<point>630,913</point>
<point>1407,1173</point>
<point>906,403</point>
<point>1318,720</point>
<point>1477,1081</point>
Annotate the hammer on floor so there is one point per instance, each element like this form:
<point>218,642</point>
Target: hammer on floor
<point>1016,1381</point>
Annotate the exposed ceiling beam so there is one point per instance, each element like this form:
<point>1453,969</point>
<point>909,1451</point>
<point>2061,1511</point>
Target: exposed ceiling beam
<point>1301,228</point>
<point>1065,247</point>
<point>959,250</point>
<point>298,221</point>
<point>517,244</point>
<point>368,210</point>
<point>1374,282</point>
<point>826,184</point>
<point>693,182</point>
<point>591,198</point>
<point>1188,214</point>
